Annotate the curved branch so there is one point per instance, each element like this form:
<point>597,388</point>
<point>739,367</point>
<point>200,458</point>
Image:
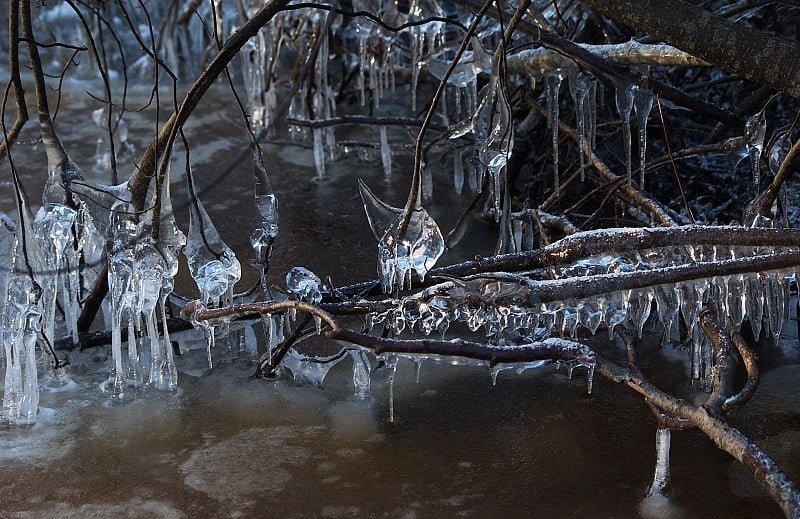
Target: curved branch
<point>728,438</point>
<point>15,83</point>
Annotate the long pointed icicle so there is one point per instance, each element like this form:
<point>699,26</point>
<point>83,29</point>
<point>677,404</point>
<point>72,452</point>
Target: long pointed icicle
<point>624,98</point>
<point>643,103</point>
<point>553,83</point>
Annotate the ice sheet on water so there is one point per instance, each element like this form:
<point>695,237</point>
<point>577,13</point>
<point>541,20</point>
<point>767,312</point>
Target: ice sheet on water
<point>304,285</point>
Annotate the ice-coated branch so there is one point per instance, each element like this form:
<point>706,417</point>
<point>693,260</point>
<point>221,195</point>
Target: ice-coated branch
<point>600,66</point>
<point>61,170</point>
<point>725,362</point>
<point>663,419</point>
<point>736,48</point>
<point>197,312</point>
<point>414,200</point>
<point>751,366</point>
<point>763,203</point>
<point>589,243</point>
<point>548,349</point>
<point>538,62</point>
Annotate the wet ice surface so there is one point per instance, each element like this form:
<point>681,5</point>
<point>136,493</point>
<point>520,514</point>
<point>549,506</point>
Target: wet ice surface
<point>225,445</point>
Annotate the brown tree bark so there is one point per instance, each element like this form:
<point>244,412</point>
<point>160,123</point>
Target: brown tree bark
<point>731,46</point>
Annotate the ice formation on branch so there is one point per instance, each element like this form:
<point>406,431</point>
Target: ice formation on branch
<point>493,127</point>
<point>212,264</point>
<point>416,250</point>
<point>304,285</point>
<point>513,307</point>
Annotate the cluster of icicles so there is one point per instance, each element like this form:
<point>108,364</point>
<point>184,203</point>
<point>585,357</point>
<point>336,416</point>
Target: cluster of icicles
<point>44,261</point>
<point>509,311</point>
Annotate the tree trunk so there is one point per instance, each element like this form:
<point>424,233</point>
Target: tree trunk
<point>750,53</point>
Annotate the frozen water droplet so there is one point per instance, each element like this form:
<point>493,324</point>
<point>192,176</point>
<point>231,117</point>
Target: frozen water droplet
<point>304,285</point>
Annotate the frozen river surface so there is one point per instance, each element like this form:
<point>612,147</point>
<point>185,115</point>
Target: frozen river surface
<point>225,445</point>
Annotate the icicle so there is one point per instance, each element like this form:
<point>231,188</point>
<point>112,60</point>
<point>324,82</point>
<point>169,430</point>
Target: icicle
<point>494,136</point>
<point>417,42</point>
<point>386,155</point>
<point>661,476</point>
<point>426,181</point>
<point>579,86</point>
<point>592,113</point>
<point>553,83</point>
<point>776,299</point>
<point>754,302</point>
<point>22,325</point>
<point>755,132</point>
<point>392,364</point>
<point>643,103</point>
<point>361,373</point>
<point>318,324</point>
<point>493,372</point>
<point>641,307</point>
<point>458,171</point>
<point>134,374</point>
<point>624,99</point>
<point>735,293</point>
<point>319,154</point>
<point>667,307</point>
